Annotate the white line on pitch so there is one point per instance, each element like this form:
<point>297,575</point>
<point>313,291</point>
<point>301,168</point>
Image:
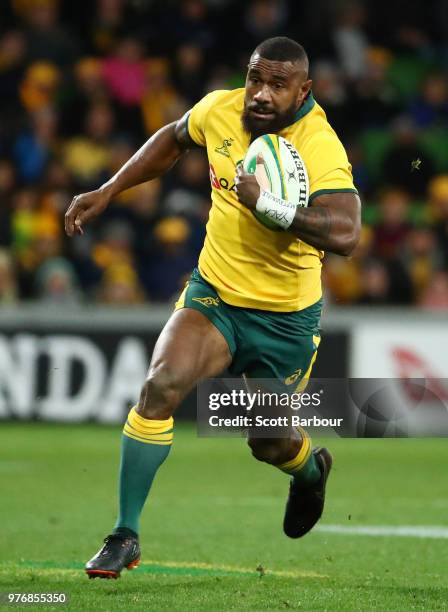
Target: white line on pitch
<point>406,531</point>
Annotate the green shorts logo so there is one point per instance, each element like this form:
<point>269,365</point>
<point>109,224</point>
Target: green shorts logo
<point>292,379</point>
<point>206,301</point>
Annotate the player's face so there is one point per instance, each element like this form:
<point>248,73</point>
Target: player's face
<point>274,92</point>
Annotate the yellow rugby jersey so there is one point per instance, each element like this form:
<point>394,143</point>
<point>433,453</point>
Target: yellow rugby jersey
<point>248,264</point>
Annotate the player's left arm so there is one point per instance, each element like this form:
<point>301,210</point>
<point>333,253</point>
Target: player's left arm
<point>331,223</point>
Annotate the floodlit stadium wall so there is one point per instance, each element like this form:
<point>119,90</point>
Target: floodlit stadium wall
<point>88,364</point>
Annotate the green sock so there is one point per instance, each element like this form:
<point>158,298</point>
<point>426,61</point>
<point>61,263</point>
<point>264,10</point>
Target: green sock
<point>145,446</point>
<point>303,467</point>
<point>309,473</point>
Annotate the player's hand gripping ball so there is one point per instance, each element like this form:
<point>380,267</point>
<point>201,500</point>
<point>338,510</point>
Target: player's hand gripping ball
<point>247,184</point>
<point>272,165</point>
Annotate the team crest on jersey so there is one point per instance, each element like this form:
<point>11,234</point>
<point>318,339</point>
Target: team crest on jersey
<point>224,148</point>
<point>206,301</point>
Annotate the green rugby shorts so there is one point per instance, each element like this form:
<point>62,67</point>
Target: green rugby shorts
<point>263,344</point>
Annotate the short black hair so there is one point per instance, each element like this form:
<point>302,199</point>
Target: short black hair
<point>282,49</point>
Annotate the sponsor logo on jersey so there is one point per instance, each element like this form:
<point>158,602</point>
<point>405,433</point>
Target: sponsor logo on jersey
<point>213,178</point>
<point>220,183</point>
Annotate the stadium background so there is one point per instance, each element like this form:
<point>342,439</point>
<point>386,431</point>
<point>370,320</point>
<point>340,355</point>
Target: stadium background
<point>80,90</point>
<point>82,85</point>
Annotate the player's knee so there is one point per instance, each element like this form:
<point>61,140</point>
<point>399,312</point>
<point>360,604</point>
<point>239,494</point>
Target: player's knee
<point>160,395</point>
<point>270,451</point>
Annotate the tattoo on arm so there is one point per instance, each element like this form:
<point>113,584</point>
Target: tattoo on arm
<point>313,221</point>
<point>331,223</point>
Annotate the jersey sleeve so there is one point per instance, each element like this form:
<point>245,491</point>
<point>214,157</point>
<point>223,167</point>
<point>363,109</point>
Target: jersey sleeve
<point>329,170</point>
<point>197,120</point>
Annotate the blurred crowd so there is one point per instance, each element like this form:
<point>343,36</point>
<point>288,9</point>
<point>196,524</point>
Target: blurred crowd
<point>83,85</point>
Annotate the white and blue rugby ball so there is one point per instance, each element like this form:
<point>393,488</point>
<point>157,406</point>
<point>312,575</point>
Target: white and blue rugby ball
<point>283,173</point>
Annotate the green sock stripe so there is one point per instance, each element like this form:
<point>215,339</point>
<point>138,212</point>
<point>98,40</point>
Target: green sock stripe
<point>148,440</point>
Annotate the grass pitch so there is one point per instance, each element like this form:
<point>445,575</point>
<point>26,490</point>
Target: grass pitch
<point>211,531</point>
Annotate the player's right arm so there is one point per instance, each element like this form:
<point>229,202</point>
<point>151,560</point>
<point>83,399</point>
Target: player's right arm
<point>152,160</point>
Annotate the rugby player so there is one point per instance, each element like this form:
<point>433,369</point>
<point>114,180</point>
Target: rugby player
<point>253,304</point>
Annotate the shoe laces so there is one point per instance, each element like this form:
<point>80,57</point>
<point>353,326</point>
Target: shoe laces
<point>112,537</point>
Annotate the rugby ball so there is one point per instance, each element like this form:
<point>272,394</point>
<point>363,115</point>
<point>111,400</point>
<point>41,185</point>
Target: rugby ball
<point>283,172</point>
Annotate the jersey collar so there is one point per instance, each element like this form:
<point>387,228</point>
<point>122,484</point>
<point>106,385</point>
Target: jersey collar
<point>306,107</point>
